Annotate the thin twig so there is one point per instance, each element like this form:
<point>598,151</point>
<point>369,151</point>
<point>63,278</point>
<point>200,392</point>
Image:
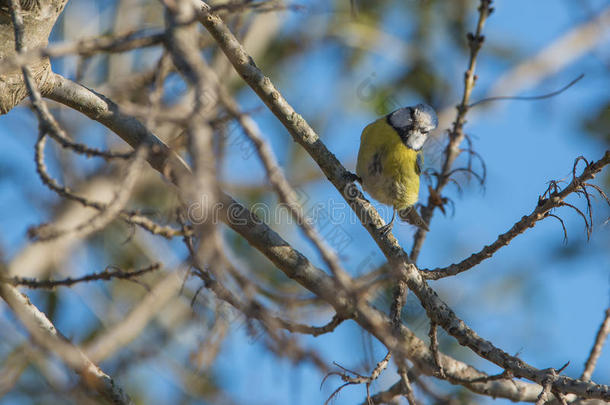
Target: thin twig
<point>350,377</point>
<point>264,6</point>
<point>456,133</point>
<point>311,330</point>
<point>543,210</point>
<point>85,47</point>
<point>407,389</point>
<point>540,97</point>
<point>252,308</point>
<point>434,349</point>
<point>130,217</point>
<point>436,309</point>
<point>279,182</point>
<point>43,331</point>
<point>108,274</point>
<point>105,216</point>
<point>47,336</point>
<point>596,350</point>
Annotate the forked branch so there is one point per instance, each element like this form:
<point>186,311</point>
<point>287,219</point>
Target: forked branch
<point>551,199</point>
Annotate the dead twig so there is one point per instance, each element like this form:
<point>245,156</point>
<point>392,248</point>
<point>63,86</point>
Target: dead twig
<point>353,378</point>
<point>456,133</point>
<point>109,273</point>
<point>552,198</point>
<point>596,350</point>
<point>540,97</point>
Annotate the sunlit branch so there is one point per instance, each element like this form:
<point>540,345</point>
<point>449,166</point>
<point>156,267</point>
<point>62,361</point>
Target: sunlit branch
<point>596,350</point>
<point>456,133</point>
<point>436,309</point>
<point>543,210</point>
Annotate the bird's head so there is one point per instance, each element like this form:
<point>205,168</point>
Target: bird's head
<point>413,124</point>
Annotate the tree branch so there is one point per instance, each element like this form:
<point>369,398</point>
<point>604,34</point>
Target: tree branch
<point>436,309</point>
<point>83,47</point>
<point>33,29</point>
<point>278,251</point>
<point>122,333</point>
<point>105,111</point>
<point>47,336</point>
<point>108,274</point>
<point>456,133</point>
<point>278,180</point>
<point>261,237</point>
<point>542,210</point>
<point>596,350</point>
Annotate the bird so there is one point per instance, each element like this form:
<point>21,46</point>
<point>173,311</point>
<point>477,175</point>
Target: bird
<point>390,160</point>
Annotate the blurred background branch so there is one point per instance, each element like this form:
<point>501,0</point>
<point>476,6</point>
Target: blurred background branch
<point>220,323</point>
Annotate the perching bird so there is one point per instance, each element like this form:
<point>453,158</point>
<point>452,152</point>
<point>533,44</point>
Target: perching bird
<point>390,160</point>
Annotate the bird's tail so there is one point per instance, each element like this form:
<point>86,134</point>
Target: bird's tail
<point>411,216</point>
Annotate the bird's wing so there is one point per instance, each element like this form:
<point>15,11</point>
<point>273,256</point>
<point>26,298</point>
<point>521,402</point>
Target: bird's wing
<point>419,163</point>
<point>372,151</point>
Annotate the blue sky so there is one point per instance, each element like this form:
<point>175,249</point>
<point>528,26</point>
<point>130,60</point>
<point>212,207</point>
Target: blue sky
<point>530,298</point>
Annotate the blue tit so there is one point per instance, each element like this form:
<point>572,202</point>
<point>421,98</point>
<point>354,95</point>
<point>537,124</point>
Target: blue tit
<point>390,160</point>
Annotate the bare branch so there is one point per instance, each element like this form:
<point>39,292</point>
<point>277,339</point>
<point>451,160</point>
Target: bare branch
<point>253,308</point>
<point>108,274</point>
<point>436,309</point>
<point>356,378</point>
<point>540,97</point>
<point>542,210</point>
<point>278,180</point>
<point>101,109</point>
<point>130,217</point>
<point>122,333</point>
<point>84,47</point>
<point>105,216</point>
<point>183,48</point>
<point>596,350</point>
<point>456,133</point>
<point>46,335</point>
<point>434,349</point>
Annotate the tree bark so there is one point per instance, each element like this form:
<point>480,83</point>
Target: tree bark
<point>39,17</point>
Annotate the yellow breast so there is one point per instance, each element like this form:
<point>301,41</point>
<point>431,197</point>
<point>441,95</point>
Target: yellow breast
<point>389,170</point>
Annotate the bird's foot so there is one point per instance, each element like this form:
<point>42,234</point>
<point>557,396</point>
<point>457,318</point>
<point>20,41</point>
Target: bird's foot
<point>384,230</point>
<point>352,177</point>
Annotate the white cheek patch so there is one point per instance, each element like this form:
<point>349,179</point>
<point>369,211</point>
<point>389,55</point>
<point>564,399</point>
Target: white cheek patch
<point>416,140</point>
<point>425,117</point>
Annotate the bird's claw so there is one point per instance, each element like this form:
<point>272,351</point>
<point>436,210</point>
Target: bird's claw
<point>352,177</point>
<point>384,230</point>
